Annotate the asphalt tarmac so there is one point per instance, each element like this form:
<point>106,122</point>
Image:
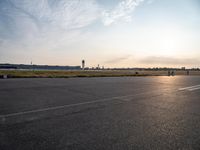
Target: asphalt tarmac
<point>122,113</point>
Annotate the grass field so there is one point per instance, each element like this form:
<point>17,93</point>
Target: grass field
<point>91,73</point>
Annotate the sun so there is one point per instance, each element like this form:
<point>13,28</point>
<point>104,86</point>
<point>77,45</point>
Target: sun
<point>168,42</point>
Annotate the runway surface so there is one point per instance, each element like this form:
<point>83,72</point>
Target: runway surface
<point>122,113</point>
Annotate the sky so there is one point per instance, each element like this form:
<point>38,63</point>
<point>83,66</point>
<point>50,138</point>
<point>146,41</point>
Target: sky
<point>112,33</point>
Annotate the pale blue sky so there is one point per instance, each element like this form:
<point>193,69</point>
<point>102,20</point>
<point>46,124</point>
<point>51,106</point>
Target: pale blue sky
<point>113,33</point>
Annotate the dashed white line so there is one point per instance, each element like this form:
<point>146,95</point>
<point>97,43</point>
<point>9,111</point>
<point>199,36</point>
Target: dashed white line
<point>193,89</point>
<point>190,88</point>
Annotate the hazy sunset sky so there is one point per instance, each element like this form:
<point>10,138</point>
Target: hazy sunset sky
<point>112,33</point>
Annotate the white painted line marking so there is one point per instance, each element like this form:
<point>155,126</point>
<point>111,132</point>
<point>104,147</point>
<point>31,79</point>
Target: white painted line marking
<point>189,88</point>
<point>193,89</point>
<point>69,105</point>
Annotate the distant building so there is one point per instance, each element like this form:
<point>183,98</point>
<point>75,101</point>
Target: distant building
<point>183,68</point>
<point>38,67</point>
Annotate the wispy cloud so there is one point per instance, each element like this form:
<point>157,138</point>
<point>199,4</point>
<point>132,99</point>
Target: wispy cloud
<point>45,23</point>
<point>51,23</point>
<point>66,14</point>
<point>118,59</point>
<point>156,60</point>
<point>150,1</point>
<point>122,12</point>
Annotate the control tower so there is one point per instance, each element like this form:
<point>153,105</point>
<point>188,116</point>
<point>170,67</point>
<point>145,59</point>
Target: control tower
<point>83,64</point>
